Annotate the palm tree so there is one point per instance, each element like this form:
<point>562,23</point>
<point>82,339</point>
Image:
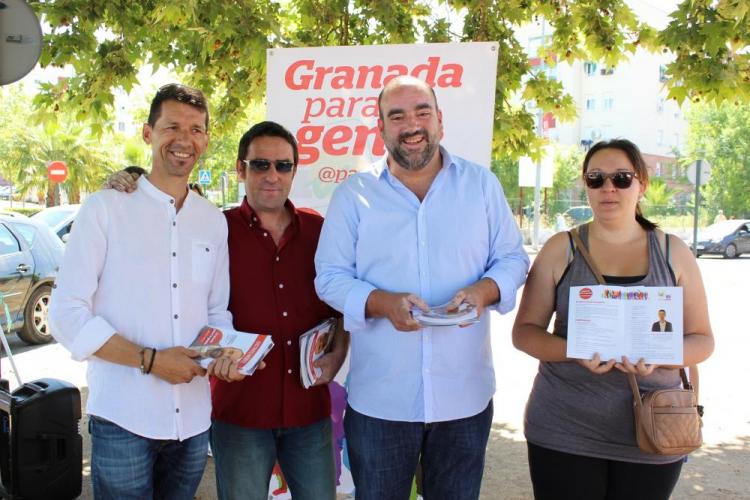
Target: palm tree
<point>29,153</point>
<point>658,197</point>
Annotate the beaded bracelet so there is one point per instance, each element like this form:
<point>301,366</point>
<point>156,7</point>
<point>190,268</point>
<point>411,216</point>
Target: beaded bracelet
<point>143,363</point>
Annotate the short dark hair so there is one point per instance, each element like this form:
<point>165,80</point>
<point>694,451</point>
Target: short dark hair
<point>266,129</point>
<point>180,93</point>
<point>639,166</point>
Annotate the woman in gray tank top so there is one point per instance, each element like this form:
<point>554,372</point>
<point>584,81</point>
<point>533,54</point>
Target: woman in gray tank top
<point>579,417</point>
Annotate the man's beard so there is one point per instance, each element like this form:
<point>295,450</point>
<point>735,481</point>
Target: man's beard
<point>414,163</point>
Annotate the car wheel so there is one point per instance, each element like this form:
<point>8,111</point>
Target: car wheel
<point>35,323</point>
<point>731,251</point>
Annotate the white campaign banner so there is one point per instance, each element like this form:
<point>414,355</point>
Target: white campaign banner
<point>327,97</point>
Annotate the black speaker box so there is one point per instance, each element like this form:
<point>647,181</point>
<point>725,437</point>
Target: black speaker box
<point>41,448</point>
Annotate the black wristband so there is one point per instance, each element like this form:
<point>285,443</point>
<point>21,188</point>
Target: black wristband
<point>153,356</point>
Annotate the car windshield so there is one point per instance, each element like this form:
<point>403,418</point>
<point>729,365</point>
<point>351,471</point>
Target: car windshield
<point>52,217</point>
<point>720,229</point>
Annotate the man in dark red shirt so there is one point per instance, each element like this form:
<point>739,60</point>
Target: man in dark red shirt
<point>271,264</point>
<point>270,416</point>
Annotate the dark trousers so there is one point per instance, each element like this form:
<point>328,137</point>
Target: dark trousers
<point>384,454</point>
<point>563,476</point>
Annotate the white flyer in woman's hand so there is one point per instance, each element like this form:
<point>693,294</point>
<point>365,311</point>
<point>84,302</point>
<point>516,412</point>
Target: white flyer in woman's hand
<point>615,321</point>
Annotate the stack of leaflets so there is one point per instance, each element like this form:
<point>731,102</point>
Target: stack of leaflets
<point>447,315</point>
<point>313,344</point>
<point>248,349</point>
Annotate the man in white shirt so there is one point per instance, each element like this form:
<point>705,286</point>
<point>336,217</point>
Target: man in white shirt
<point>143,272</point>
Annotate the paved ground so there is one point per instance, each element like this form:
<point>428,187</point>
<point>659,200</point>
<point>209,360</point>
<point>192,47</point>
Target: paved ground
<point>721,469</point>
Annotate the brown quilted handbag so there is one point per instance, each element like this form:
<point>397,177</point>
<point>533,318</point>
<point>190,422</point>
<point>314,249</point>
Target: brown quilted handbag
<point>667,421</point>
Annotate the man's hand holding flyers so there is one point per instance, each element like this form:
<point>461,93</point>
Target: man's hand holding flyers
<point>330,363</point>
<point>397,307</point>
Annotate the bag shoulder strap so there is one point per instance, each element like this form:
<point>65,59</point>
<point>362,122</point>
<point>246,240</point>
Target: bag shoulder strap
<point>587,256</point>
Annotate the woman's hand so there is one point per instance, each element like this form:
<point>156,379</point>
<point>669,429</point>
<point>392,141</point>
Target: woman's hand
<point>641,368</point>
<point>596,365</point>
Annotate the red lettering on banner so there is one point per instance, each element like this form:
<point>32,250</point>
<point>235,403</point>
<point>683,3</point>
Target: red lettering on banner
<point>338,107</point>
<point>305,75</point>
<point>339,140</point>
<point>304,82</point>
<point>336,136</point>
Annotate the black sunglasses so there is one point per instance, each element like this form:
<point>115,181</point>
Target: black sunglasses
<point>621,180</point>
<point>261,165</point>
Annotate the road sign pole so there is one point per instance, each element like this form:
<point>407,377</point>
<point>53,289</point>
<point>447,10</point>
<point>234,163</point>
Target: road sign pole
<point>697,206</point>
<point>537,189</point>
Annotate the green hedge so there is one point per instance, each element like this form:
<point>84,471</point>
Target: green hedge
<point>24,211</point>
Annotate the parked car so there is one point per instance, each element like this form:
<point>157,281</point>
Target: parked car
<point>59,219</point>
<point>578,215</point>
<point>729,238</point>
<point>30,255</point>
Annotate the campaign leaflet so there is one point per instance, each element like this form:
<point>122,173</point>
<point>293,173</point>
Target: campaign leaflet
<point>447,315</point>
<point>615,321</point>
<point>248,349</point>
<point>313,344</point>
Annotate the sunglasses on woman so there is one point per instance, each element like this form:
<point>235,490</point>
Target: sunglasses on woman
<point>621,180</point>
<point>260,165</point>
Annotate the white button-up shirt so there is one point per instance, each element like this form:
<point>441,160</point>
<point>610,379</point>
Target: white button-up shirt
<point>378,235</point>
<point>136,267</point>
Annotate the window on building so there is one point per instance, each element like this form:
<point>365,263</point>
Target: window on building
<point>660,137</point>
<point>121,126</point>
<point>590,104</point>
<point>660,105</point>
<point>608,103</point>
<point>657,170</point>
<point>662,73</point>
<point>589,68</point>
<point>607,71</point>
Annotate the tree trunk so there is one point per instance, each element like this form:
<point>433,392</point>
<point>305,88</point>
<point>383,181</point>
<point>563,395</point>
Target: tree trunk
<point>74,196</point>
<point>51,200</point>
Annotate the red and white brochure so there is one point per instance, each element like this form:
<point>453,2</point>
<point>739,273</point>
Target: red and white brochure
<point>248,349</point>
<point>313,344</point>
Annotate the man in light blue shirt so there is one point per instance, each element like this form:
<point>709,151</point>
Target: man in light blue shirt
<point>420,229</point>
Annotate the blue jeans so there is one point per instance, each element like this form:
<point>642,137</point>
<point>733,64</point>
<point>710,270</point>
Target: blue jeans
<point>244,458</point>
<point>384,455</point>
<point>127,466</point>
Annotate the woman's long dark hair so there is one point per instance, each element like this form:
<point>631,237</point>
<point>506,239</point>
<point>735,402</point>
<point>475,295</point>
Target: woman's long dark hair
<point>639,165</point>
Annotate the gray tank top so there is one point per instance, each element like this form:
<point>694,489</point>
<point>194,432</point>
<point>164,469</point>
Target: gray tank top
<point>575,411</point>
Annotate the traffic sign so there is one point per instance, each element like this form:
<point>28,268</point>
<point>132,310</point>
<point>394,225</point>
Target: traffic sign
<point>705,171</point>
<point>204,177</point>
<point>57,171</point>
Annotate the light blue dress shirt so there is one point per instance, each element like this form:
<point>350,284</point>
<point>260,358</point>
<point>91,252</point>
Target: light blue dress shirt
<point>377,235</point>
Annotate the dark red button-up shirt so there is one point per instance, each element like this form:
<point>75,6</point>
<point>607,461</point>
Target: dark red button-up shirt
<point>272,292</point>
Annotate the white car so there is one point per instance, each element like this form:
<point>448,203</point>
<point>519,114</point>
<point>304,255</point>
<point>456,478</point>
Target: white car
<point>59,219</point>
